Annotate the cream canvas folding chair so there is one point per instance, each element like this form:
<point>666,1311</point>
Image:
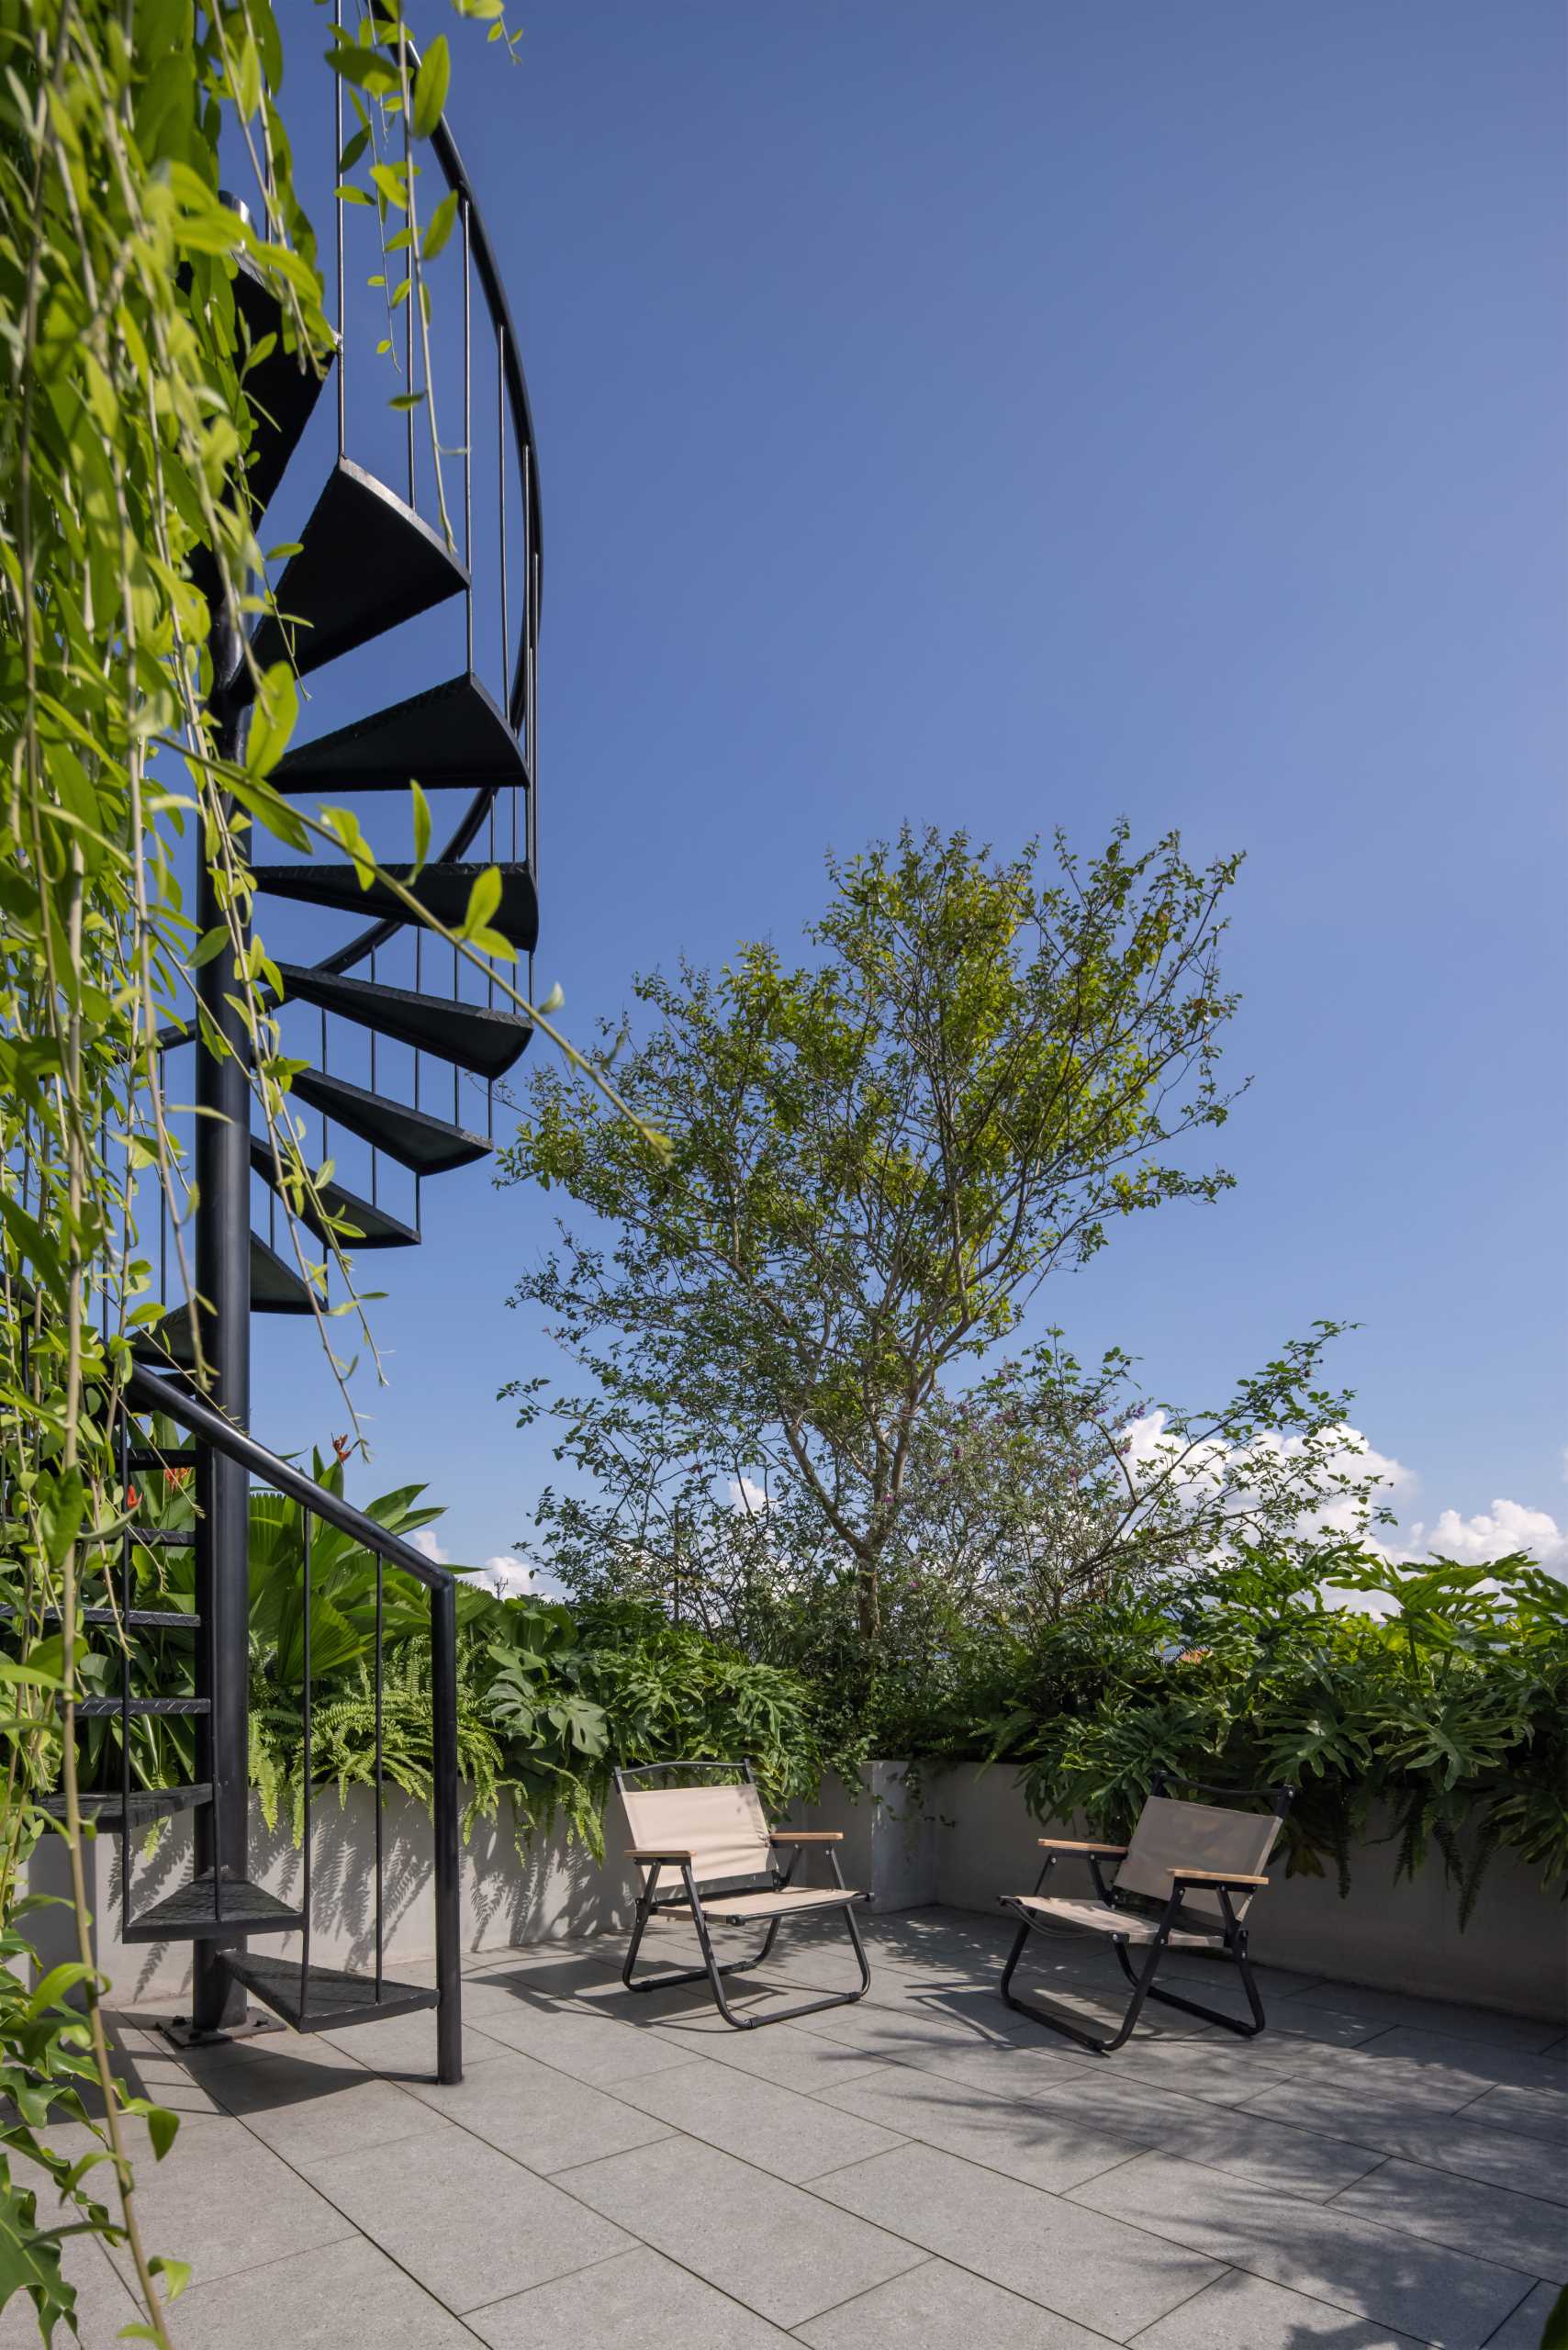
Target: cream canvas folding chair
<point>714,1838</point>
<point>1185,1882</point>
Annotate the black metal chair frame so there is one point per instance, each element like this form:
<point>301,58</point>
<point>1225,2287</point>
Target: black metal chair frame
<point>1167,1920</point>
<point>652,1903</point>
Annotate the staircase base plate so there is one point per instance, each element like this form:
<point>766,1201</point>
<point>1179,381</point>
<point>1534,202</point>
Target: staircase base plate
<point>180,2032</point>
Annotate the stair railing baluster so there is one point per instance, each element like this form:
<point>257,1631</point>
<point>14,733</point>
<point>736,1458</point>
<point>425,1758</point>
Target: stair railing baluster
<point>380,1582</point>
<point>375,1154</point>
<point>419,983</point>
<point>305,1769</point>
<point>446,1827</point>
<point>468,434</point>
<point>124,1590</point>
<point>408,296</point>
<point>501,492</point>
<point>537,584</point>
<point>339,209</point>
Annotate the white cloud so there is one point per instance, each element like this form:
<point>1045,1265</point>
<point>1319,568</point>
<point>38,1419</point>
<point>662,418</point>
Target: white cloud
<point>1492,1534</point>
<point>746,1493</point>
<point>425,1541</point>
<point>509,1576</point>
<point>1507,1525</point>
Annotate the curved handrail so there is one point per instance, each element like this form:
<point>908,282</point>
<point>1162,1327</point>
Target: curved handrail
<point>146,1392</point>
<point>444,146</point>
<point>378,935</point>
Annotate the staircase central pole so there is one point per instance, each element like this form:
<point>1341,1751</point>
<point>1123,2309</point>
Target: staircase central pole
<point>223,1282</point>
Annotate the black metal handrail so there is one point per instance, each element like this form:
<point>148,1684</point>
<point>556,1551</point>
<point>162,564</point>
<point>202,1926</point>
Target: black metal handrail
<point>145,1391</point>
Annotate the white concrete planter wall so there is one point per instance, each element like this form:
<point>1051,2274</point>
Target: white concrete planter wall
<point>557,1891</point>
<point>970,1838</point>
<point>976,1840</point>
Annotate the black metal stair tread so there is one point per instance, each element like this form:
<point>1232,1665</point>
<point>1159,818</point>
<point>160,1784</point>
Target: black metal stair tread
<point>486,1042</point>
<point>282,391</point>
<point>442,890</point>
<point>366,562</point>
<point>449,736</point>
<point>376,1229</point>
<point>189,1914</point>
<point>140,1620</point>
<point>163,1537</point>
<point>275,1288</point>
<point>178,1455</point>
<point>332,1998</point>
<point>147,1804</point>
<point>100,1708</point>
<point>430,1146</point>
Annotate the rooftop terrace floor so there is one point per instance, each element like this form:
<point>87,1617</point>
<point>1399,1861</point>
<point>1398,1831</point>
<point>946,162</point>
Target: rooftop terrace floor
<point>922,2170</point>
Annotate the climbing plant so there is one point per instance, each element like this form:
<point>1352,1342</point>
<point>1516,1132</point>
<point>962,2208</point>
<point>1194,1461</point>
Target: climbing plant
<point>126,421</point>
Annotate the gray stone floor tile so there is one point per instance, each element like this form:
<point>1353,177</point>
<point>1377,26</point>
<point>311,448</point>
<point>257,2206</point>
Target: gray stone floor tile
<point>1291,2161</point>
<point>775,2247</point>
<point>309,2110</point>
<point>1478,2061</point>
<point>1104,2276</point>
<point>1018,2071</point>
<point>1445,2017</point>
<point>591,2048</point>
<point>1524,2329</point>
<point>1375,2272</point>
<point>795,2059</point>
<point>777,2128</point>
<point>1533,2113</point>
<point>936,2306</point>
<point>220,2199</point>
<point>1045,2148</point>
<point>544,2118</point>
<point>1242,2312</point>
<point>638,2300</point>
<point>1518,2231</point>
<point>467,2222</point>
<point>103,2303</point>
<point>1375,2108</point>
<point>1220,2072</point>
<point>317,2302</point>
<point>405,2044</point>
<point>1496,2157</point>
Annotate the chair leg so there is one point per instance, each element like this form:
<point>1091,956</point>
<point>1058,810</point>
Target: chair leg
<point>1237,1949</point>
<point>685,1973</point>
<point>716,1973</point>
<point>1039,2012</point>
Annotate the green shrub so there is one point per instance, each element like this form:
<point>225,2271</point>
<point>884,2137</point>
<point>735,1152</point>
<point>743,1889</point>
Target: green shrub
<point>549,1698</point>
<point>1444,1712</point>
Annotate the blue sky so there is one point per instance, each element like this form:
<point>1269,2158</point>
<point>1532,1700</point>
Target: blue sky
<point>1026,415</point>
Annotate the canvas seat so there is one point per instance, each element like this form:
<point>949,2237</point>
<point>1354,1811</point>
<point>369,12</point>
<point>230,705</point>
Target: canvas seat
<point>705,1850</point>
<point>1185,1882</point>
<point>1096,1918</point>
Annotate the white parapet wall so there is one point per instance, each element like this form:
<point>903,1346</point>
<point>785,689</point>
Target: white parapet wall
<point>961,1837</point>
<point>977,1838</point>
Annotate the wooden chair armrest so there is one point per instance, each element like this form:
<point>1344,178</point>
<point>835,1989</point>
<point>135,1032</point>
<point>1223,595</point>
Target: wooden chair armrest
<point>1213,1876</point>
<point>649,1853</point>
<point>806,1836</point>
<point>1069,1844</point>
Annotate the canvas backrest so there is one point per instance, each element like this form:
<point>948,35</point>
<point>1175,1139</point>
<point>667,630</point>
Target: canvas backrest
<point>1174,1835</point>
<point>721,1827</point>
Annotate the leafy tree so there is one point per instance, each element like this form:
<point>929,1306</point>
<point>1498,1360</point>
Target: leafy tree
<point>873,1162</point>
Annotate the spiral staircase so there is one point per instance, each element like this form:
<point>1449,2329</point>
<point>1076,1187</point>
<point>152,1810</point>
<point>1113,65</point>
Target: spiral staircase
<point>366,561</point>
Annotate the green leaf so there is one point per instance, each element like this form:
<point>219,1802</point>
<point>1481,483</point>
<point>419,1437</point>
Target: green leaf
<point>483,899</point>
<point>421,824</point>
<point>430,86</point>
<point>443,222</point>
